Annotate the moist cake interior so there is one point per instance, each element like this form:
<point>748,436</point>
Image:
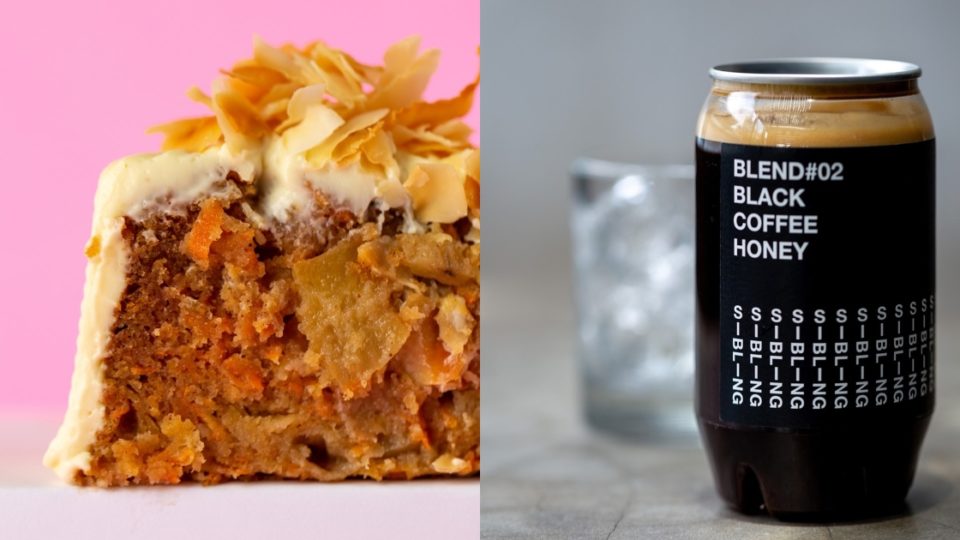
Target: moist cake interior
<point>308,351</point>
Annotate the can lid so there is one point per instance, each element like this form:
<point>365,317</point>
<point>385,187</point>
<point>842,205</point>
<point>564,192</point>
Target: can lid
<point>816,71</point>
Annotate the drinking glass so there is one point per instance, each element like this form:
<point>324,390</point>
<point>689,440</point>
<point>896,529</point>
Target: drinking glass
<point>633,231</point>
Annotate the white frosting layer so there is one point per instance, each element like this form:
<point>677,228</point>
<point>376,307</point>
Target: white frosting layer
<point>288,179</point>
<point>129,187</point>
<point>133,184</point>
<point>105,282</point>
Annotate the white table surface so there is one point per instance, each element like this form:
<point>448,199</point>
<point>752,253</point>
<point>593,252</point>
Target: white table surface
<point>35,504</point>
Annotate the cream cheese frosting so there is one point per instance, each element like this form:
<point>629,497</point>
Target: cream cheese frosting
<point>288,179</point>
<point>127,187</point>
<point>105,281</point>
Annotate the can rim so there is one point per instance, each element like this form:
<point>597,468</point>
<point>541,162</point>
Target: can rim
<point>816,70</point>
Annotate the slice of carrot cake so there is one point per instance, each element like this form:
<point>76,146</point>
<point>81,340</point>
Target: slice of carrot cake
<point>290,289</point>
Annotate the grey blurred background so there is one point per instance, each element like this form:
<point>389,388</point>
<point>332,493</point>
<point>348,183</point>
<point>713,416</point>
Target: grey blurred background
<point>624,80</point>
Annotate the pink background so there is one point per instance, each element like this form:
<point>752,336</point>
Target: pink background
<point>81,83</point>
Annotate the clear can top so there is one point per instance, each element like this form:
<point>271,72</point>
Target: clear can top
<point>816,71</point>
<point>815,102</point>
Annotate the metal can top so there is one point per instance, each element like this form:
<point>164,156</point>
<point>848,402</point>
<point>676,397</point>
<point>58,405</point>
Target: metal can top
<point>816,71</point>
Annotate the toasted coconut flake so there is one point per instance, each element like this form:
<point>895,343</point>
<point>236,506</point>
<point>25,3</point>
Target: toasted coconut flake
<point>337,111</point>
<point>256,74</point>
<point>238,120</point>
<point>280,92</point>
<point>302,99</point>
<point>472,163</point>
<point>274,113</point>
<point>408,87</point>
<point>333,60</point>
<point>454,130</point>
<point>275,59</point>
<point>317,125</point>
<point>472,189</point>
<point>250,92</point>
<point>323,153</point>
<point>438,112</point>
<point>199,96</point>
<point>346,151</point>
<point>369,73</point>
<point>190,134</point>
<point>437,192</point>
<point>398,58</point>
<point>379,151</point>
<point>422,141</point>
<point>405,75</point>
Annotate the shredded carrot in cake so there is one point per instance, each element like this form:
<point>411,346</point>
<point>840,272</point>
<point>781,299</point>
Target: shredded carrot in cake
<point>206,230</point>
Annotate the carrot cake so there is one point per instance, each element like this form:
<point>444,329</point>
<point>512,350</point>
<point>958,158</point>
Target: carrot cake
<point>290,289</point>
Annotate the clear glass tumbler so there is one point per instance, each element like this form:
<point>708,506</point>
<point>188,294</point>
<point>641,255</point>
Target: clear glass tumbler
<point>633,250</point>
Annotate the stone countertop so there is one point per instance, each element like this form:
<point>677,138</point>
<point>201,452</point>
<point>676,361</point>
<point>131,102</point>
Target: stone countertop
<point>546,475</point>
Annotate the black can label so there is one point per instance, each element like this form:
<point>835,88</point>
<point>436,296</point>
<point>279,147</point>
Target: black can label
<point>826,284</point>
